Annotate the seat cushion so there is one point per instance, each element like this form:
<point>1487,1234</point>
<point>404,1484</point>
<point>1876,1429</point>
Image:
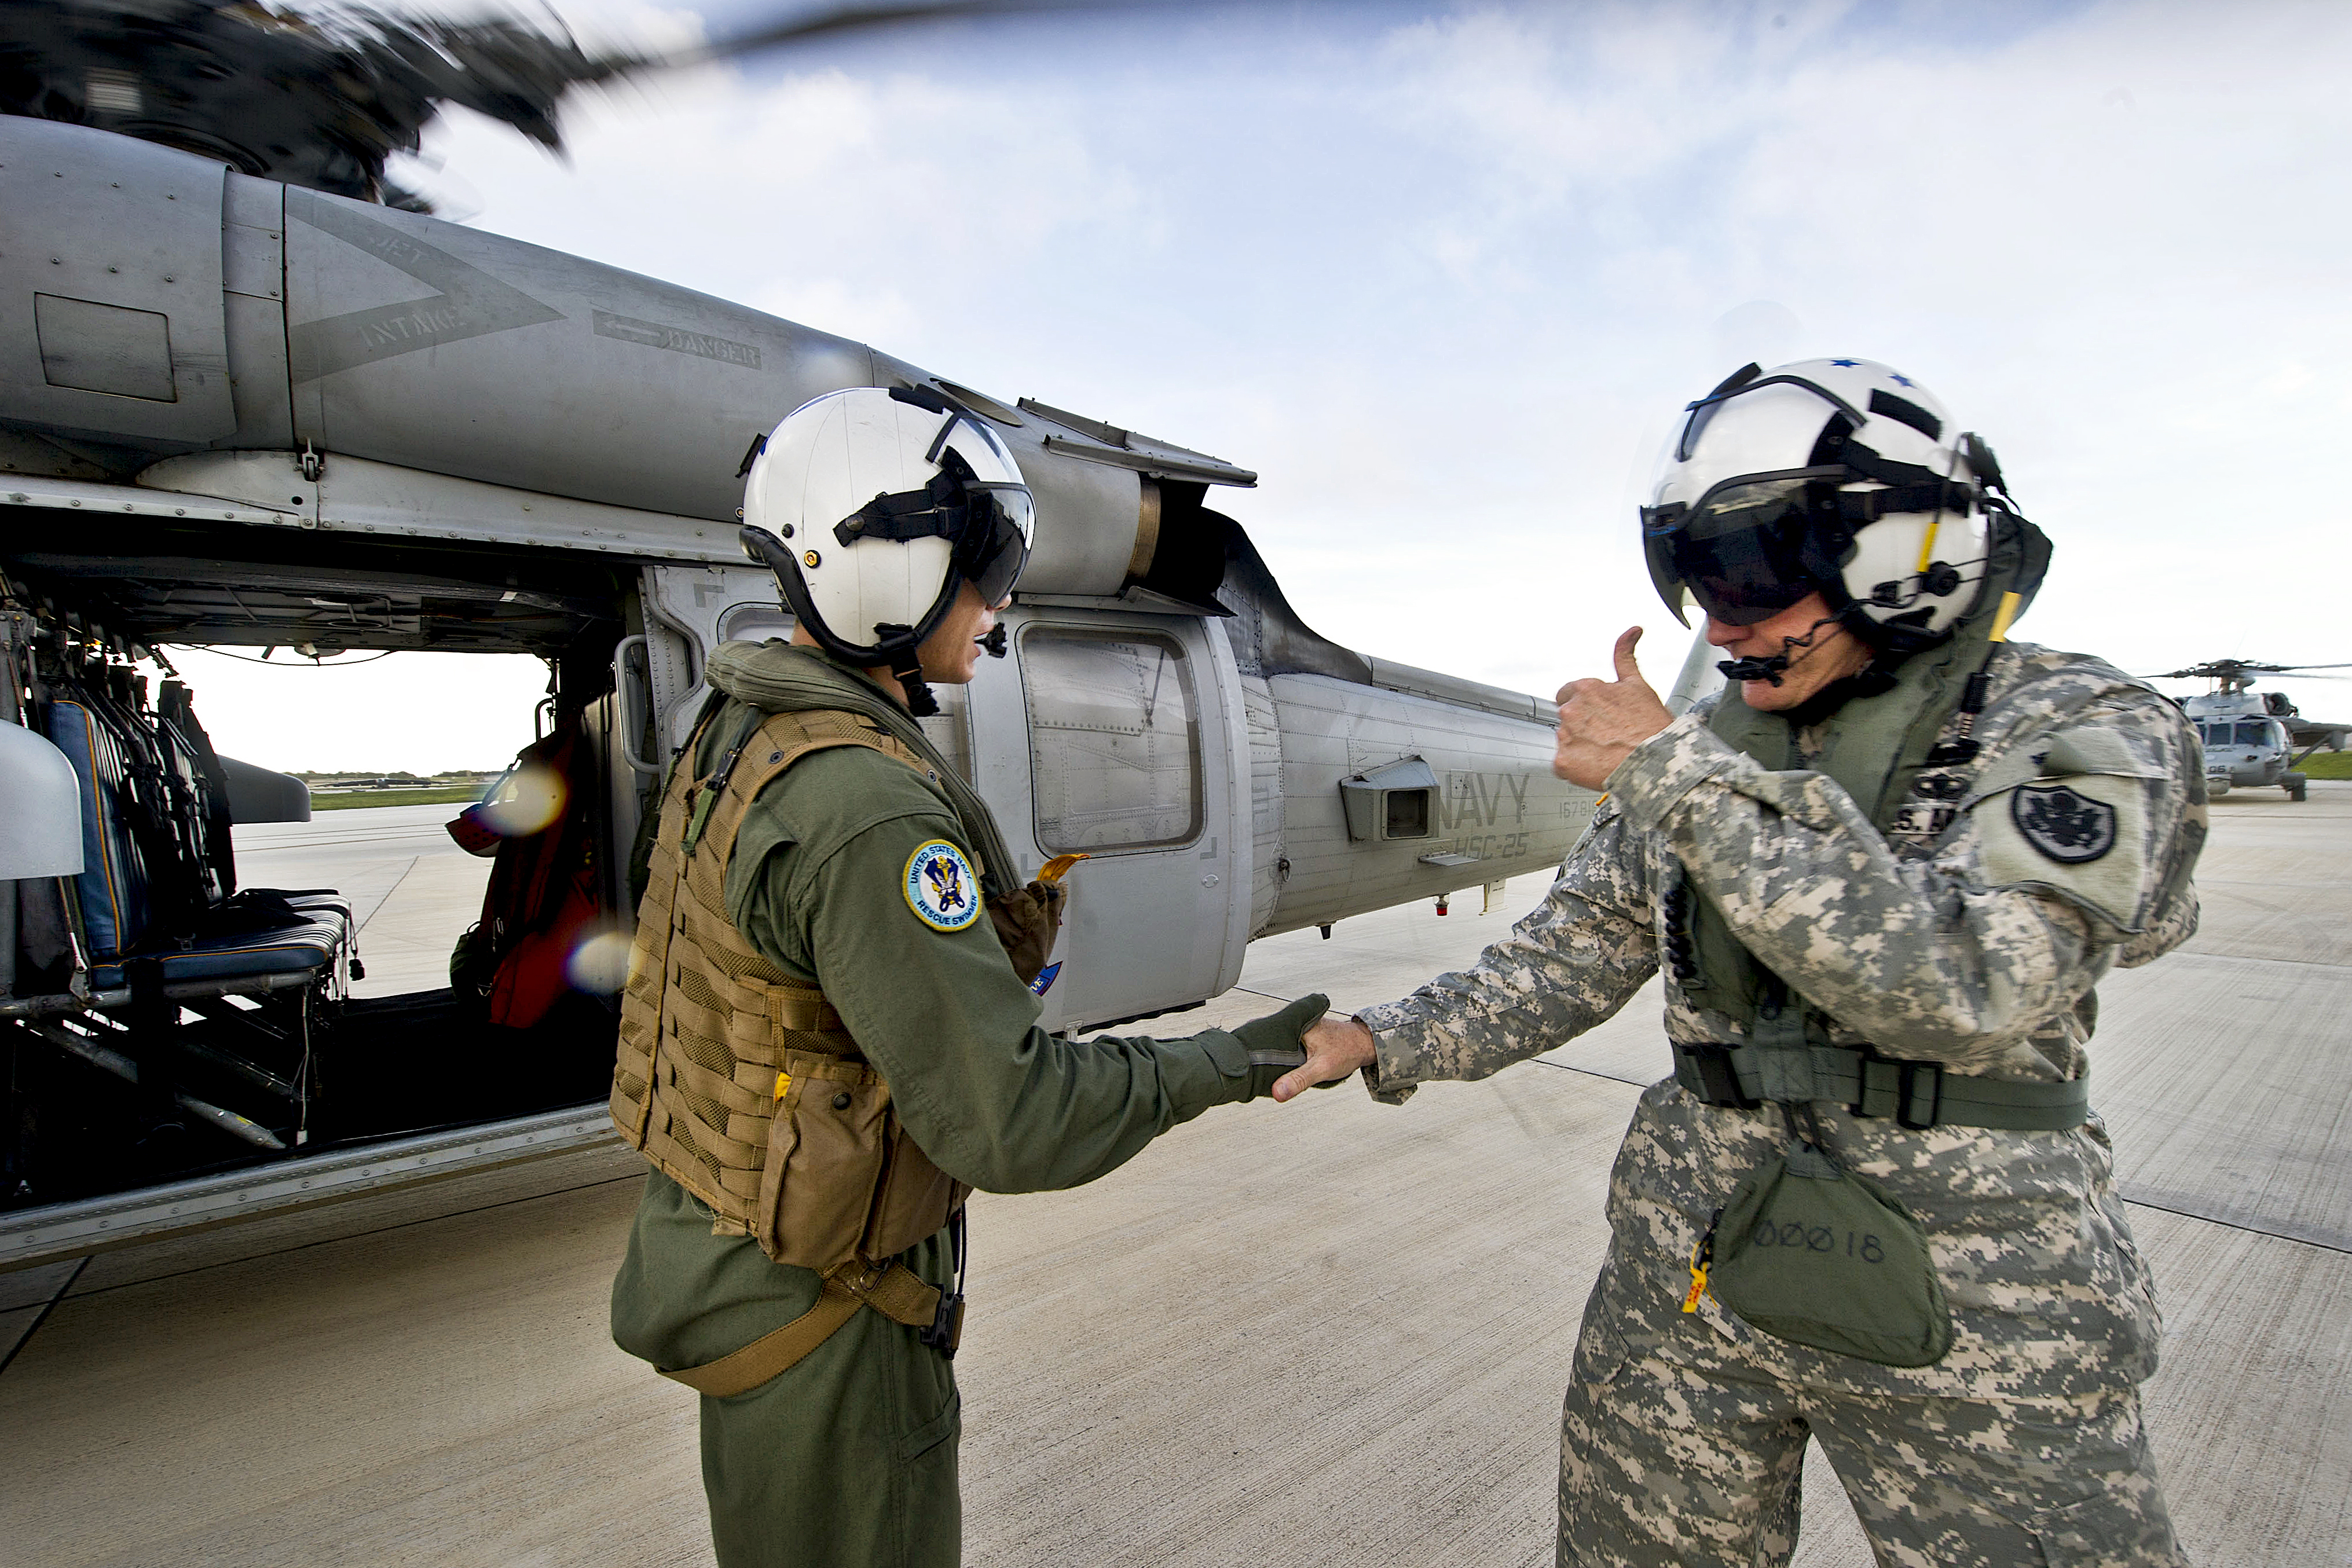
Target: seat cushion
<point>318,903</point>
<point>288,950</point>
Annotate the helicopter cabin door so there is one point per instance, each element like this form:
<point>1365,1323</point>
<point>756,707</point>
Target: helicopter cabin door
<point>1118,742</point>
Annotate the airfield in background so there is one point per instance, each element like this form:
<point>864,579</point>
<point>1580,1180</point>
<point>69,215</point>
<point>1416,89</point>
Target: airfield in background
<point>1326,1334</point>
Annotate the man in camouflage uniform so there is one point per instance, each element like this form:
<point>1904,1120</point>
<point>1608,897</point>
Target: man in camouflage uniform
<point>1913,842</point>
<point>857,864</point>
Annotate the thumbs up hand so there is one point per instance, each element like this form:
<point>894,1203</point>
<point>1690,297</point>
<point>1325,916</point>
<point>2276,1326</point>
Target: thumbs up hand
<point>1601,721</point>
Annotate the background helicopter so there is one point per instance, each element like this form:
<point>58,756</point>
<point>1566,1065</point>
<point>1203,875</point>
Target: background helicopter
<point>2250,738</point>
<point>313,419</point>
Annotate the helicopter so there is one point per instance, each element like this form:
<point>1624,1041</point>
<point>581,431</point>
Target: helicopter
<point>241,409</point>
<point>2251,737</point>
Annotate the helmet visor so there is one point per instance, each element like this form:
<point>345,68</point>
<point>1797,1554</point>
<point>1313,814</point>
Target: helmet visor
<point>1740,549</point>
<point>999,525</point>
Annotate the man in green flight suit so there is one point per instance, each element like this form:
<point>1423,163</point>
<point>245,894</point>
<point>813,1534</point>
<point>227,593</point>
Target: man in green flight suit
<point>828,1036</point>
<point>1882,873</point>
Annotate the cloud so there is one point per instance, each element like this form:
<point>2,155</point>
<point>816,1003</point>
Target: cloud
<point>1444,275</point>
<point>807,192</point>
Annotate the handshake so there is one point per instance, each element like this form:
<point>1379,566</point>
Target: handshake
<point>1300,1048</point>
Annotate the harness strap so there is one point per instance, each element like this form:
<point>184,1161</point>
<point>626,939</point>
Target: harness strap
<point>1916,1095</point>
<point>893,1290</point>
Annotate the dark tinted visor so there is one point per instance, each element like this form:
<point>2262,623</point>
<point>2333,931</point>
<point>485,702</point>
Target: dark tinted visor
<point>997,533</point>
<point>1740,550</point>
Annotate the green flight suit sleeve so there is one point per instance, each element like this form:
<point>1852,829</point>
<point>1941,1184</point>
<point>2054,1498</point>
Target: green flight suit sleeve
<point>994,1100</point>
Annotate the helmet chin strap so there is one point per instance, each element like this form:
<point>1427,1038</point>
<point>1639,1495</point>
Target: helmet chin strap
<point>1770,667</point>
<point>907,668</point>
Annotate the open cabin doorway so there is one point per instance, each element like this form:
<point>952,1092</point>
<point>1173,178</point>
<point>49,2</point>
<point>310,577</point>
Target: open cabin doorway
<point>233,987</point>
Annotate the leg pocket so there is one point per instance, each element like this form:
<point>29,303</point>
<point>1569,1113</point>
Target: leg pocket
<point>925,1491</point>
<point>2124,1527</point>
<point>1663,1464</point>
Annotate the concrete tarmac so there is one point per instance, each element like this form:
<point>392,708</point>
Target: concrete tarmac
<point>413,890</point>
<point>1326,1333</point>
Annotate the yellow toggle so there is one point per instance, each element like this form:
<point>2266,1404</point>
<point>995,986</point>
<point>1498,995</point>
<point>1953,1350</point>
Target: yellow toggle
<point>1927,545</point>
<point>2009,604</point>
<point>1698,1288</point>
<point>783,1084</point>
<point>1059,867</point>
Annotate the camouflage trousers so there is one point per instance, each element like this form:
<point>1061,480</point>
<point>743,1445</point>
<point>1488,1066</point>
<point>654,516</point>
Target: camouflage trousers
<point>1669,1465</point>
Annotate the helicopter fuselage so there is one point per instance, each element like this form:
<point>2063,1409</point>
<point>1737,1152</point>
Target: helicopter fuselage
<point>236,413</point>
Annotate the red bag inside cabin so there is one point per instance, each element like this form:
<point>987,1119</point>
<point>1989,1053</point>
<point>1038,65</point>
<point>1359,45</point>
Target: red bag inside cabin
<point>546,896</point>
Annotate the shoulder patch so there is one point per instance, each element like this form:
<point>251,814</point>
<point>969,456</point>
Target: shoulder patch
<point>2069,828</point>
<point>2085,837</point>
<point>940,885</point>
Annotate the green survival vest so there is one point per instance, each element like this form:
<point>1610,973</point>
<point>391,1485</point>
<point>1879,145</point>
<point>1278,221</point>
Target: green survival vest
<point>1874,747</point>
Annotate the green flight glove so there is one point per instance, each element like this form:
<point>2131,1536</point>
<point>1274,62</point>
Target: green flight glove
<point>1273,1041</point>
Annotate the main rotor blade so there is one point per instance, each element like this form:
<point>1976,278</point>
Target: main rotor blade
<point>838,20</point>
<point>2219,667</point>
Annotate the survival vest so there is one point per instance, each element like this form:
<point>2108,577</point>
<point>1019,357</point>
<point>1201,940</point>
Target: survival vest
<point>740,1083</point>
<point>742,1086</point>
<point>1873,747</point>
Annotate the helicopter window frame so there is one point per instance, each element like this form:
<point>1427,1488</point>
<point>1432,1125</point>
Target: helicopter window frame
<point>1050,748</point>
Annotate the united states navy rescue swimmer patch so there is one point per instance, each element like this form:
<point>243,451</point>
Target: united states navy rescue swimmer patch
<point>940,888</point>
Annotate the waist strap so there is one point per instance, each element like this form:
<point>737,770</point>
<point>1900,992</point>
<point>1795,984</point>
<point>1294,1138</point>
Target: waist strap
<point>1916,1095</point>
<point>894,1291</point>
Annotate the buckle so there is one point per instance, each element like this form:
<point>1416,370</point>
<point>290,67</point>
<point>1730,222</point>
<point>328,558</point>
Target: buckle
<point>946,1332</point>
<point>1906,1075</point>
<point>1718,1081</point>
<point>1906,1084</point>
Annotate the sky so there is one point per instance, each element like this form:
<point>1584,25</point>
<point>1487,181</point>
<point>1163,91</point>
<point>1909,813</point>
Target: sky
<point>1445,276</point>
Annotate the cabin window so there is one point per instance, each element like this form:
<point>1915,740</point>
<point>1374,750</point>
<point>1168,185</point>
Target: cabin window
<point>1114,740</point>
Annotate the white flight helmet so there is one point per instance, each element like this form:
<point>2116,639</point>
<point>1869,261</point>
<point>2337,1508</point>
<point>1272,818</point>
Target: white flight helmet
<point>1831,474</point>
<point>873,506</point>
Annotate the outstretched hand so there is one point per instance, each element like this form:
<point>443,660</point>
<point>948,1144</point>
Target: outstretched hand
<point>1335,1048</point>
<point>1601,721</point>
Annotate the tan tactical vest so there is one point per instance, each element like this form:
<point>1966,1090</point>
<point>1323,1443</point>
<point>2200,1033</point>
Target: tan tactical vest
<point>740,1083</point>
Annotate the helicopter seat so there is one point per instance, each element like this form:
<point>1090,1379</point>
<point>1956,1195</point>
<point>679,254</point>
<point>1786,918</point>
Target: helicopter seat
<point>146,890</point>
<point>210,992</point>
<point>307,948</point>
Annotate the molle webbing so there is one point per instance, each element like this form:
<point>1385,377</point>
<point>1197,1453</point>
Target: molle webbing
<point>706,1020</point>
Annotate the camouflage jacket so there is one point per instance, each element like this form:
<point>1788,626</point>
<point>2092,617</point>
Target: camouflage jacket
<point>1967,936</point>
